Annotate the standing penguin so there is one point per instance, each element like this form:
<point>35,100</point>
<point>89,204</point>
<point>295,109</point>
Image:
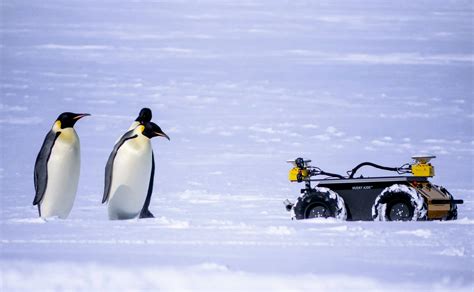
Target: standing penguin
<point>129,172</point>
<point>144,117</point>
<point>57,168</point>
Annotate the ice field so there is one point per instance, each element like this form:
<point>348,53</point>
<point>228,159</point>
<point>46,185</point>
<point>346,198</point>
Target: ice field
<point>240,87</point>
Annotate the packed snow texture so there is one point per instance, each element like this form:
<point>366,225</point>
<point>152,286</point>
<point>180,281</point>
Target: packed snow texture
<point>240,87</point>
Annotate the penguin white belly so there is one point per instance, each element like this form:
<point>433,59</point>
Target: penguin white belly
<point>64,166</point>
<point>130,179</point>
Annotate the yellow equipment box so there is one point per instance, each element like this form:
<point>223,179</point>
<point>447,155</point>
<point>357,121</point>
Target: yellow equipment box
<point>422,169</point>
<point>295,172</point>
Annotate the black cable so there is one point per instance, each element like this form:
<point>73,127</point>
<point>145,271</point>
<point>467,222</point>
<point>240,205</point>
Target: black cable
<point>332,174</point>
<point>406,168</point>
<point>355,169</point>
<point>318,171</point>
<point>400,170</point>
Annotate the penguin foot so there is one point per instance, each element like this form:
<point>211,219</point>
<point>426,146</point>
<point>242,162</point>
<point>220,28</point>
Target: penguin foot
<point>146,214</point>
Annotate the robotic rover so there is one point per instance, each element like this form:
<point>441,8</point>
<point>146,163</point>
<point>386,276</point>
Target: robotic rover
<point>390,198</point>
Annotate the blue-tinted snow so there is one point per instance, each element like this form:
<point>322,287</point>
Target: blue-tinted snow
<point>240,86</point>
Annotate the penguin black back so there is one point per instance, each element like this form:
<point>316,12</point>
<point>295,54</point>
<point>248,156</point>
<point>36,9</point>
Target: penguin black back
<point>41,165</point>
<point>110,163</point>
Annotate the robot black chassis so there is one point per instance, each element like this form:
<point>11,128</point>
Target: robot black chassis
<point>390,198</point>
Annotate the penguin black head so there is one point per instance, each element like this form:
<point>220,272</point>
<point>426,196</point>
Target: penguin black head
<point>153,130</point>
<point>144,116</point>
<point>68,119</point>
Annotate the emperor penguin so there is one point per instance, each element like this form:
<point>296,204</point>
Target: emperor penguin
<point>129,172</point>
<point>57,168</point>
<point>144,116</point>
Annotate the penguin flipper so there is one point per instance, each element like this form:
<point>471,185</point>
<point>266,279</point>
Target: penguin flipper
<point>41,166</point>
<point>145,212</point>
<point>110,163</point>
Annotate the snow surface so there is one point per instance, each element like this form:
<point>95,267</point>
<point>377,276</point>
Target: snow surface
<point>240,87</point>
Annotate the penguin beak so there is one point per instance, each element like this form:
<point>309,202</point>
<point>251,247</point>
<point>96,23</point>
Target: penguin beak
<point>162,134</point>
<point>80,116</point>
